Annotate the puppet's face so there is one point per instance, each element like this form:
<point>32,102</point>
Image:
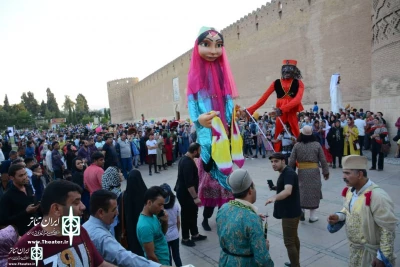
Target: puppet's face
<point>288,71</point>
<point>211,47</point>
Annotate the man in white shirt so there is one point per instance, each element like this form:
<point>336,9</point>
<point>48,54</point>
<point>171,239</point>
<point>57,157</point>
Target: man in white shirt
<point>343,121</point>
<point>99,142</point>
<point>361,124</point>
<point>152,152</point>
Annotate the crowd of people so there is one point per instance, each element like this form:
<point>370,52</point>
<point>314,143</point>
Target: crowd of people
<point>92,163</point>
<point>140,226</point>
<point>349,132</point>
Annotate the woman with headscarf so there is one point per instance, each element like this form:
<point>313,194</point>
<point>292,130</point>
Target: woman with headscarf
<point>8,238</point>
<point>335,140</point>
<point>78,168</point>
<point>324,143</point>
<point>111,180</point>
<point>317,130</point>
<point>308,154</point>
<point>38,151</point>
<point>70,155</point>
<point>332,120</point>
<point>133,199</point>
<point>377,139</point>
<point>350,132</point>
<point>210,93</point>
<point>183,136</point>
<point>168,149</point>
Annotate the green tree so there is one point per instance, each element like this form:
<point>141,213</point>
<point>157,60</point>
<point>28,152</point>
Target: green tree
<point>68,104</point>
<point>81,104</point>
<point>4,119</point>
<point>86,119</point>
<point>24,119</point>
<point>16,108</point>
<point>52,103</point>
<point>42,108</point>
<point>30,103</point>
<point>48,114</point>
<point>6,106</point>
<point>69,118</point>
<point>74,120</point>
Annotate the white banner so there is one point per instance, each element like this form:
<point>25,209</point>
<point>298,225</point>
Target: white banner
<point>11,131</point>
<point>175,86</point>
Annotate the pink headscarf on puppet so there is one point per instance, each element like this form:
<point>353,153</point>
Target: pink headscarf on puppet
<point>214,79</point>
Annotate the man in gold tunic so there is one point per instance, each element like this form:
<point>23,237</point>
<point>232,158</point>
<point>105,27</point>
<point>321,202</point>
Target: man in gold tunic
<point>368,213</point>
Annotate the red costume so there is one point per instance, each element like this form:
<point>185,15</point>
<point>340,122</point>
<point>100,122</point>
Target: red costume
<point>289,94</point>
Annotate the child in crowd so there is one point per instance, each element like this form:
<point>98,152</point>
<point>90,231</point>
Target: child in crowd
<point>173,209</point>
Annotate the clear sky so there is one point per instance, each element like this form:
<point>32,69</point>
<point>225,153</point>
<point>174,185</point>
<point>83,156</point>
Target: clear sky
<point>76,46</point>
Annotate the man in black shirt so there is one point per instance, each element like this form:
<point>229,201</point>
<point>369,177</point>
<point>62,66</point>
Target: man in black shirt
<point>186,188</point>
<point>287,206</point>
<point>110,154</point>
<point>17,204</point>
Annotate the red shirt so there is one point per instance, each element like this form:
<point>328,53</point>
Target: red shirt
<point>56,250</point>
<point>286,104</point>
<point>92,178</point>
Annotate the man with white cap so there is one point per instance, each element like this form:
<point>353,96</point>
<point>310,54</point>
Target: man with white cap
<point>368,213</point>
<point>240,228</point>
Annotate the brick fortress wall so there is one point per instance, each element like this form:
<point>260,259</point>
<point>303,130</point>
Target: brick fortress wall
<point>325,36</point>
<point>120,104</point>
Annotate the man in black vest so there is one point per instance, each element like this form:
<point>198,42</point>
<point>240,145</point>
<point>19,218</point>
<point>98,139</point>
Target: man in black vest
<point>289,91</point>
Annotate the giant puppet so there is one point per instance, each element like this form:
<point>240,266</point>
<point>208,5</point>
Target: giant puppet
<point>210,93</point>
<point>289,92</point>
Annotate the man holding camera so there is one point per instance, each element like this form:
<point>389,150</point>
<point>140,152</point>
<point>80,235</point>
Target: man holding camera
<point>287,206</point>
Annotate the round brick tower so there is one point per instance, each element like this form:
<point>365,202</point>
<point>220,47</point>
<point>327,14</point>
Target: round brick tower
<point>385,93</point>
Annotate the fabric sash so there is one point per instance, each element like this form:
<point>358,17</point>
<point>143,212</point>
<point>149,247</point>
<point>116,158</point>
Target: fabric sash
<point>221,147</point>
<point>236,142</point>
<point>237,255</point>
<point>308,165</point>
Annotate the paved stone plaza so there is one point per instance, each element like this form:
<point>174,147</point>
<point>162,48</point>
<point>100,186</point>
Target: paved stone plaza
<point>318,246</point>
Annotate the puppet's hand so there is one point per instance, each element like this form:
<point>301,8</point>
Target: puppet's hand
<point>206,118</point>
<point>278,112</point>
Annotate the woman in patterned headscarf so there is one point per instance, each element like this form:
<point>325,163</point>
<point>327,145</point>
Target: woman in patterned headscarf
<point>377,139</point>
<point>111,180</point>
<point>336,143</point>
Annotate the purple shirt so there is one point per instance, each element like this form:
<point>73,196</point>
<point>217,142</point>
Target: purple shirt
<point>84,154</point>
<point>56,160</point>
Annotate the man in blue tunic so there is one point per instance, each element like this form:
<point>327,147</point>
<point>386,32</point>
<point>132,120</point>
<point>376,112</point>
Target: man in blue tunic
<point>240,228</point>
